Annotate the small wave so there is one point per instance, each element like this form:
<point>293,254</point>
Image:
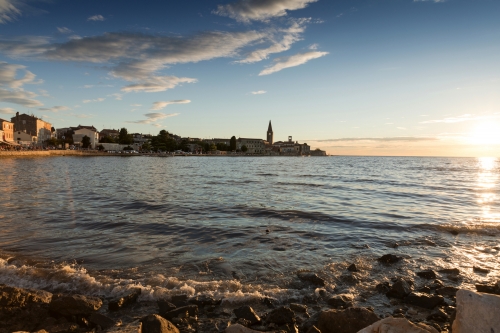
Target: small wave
<point>490,229</point>
<point>300,184</point>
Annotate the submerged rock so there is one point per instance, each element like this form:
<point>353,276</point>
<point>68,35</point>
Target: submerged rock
<point>101,320</point>
<point>476,313</point>
<point>400,289</point>
<point>156,324</point>
<point>165,306</point>
<point>124,301</point>
<point>75,305</point>
<point>298,307</point>
<point>353,268</point>
<point>397,325</point>
<point>428,274</point>
<point>281,316</point>
<point>350,320</point>
<point>344,300</point>
<point>187,311</point>
<point>203,301</point>
<point>312,278</point>
<point>246,312</point>
<point>389,259</point>
<point>424,300</point>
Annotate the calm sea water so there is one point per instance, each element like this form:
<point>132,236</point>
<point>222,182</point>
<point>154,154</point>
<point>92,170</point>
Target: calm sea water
<point>241,227</point>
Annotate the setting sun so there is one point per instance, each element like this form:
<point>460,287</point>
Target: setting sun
<point>485,134</point>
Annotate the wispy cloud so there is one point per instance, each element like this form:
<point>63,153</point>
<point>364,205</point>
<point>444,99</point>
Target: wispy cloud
<point>100,99</point>
<point>136,105</point>
<point>292,61</point>
<point>259,92</point>
<point>259,10</point>
<point>153,117</point>
<point>24,98</point>
<point>8,76</point>
<point>8,10</point>
<point>462,118</point>
<point>386,139</point>
<point>64,30</point>
<point>55,109</point>
<point>162,105</point>
<point>96,18</point>
<point>7,111</point>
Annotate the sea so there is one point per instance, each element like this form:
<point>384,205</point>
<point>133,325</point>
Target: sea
<point>241,228</point>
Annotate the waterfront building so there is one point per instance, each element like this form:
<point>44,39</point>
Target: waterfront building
<point>112,133</point>
<point>7,129</point>
<point>25,139</point>
<point>89,131</point>
<point>33,126</point>
<point>254,146</point>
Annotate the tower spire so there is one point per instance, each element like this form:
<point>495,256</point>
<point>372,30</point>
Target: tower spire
<point>270,133</point>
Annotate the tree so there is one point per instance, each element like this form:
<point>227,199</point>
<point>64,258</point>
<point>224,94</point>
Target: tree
<point>124,138</point>
<point>146,146</point>
<point>232,143</point>
<point>213,147</point>
<point>163,142</point>
<point>222,146</point>
<point>244,148</point>
<point>106,139</point>
<point>51,142</point>
<point>100,147</point>
<point>85,142</point>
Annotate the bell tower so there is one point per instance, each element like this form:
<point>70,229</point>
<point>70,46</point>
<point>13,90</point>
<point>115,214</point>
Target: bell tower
<point>270,133</point>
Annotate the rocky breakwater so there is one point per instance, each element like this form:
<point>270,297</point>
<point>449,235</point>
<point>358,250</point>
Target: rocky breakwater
<point>414,302</point>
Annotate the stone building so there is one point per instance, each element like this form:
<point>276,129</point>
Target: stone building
<point>254,146</point>
<point>25,139</point>
<point>112,133</point>
<point>7,128</point>
<point>32,126</point>
<point>89,131</point>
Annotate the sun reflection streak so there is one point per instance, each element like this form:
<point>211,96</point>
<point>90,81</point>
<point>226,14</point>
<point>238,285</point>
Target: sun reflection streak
<point>487,182</point>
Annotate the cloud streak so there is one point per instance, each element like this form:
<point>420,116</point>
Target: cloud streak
<point>292,61</point>
<point>55,109</point>
<point>8,11</point>
<point>96,18</point>
<point>153,117</point>
<point>8,74</point>
<point>462,118</point>
<point>260,10</point>
<point>387,139</point>
<point>162,105</point>
<point>24,98</point>
<point>259,92</point>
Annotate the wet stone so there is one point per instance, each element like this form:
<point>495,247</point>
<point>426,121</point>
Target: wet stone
<point>281,316</point>
<point>312,278</point>
<point>383,287</point>
<point>202,301</point>
<point>353,268</point>
<point>298,308</point>
<point>184,311</point>
<point>124,301</point>
<point>18,297</point>
<point>488,289</point>
<point>428,274</point>
<point>338,301</point>
<point>400,289</point>
<point>424,300</point>
<point>101,320</point>
<point>438,315</point>
<point>447,291</point>
<point>453,271</point>
<point>75,305</point>
<point>389,259</point>
<point>156,324</point>
<point>350,320</point>
<point>179,300</point>
<point>165,306</point>
<point>247,313</point>
<point>478,269</point>
<point>425,289</point>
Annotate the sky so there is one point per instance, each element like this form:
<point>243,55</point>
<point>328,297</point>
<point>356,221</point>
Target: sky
<point>352,77</point>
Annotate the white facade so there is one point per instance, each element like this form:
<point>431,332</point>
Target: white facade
<point>93,135</point>
<point>24,138</point>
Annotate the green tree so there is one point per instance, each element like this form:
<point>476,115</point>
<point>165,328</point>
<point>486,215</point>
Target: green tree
<point>232,143</point>
<point>100,147</point>
<point>51,142</point>
<point>124,138</point>
<point>146,146</point>
<point>85,142</point>
<point>222,147</point>
<point>163,142</point>
<point>106,139</point>
<point>213,147</point>
<point>244,148</point>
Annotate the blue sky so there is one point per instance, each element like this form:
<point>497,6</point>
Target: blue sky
<point>389,77</point>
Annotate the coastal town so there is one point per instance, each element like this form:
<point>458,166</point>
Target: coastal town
<point>28,132</point>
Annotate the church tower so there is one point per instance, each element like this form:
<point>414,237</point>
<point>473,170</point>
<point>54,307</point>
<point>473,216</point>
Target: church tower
<point>270,133</point>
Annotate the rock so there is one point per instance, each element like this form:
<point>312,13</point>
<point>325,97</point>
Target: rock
<point>75,305</point>
<point>156,324</point>
<point>179,300</point>
<point>312,278</point>
<point>135,327</point>
<point>344,300</point>
<point>424,289</point>
<point>124,301</point>
<point>389,259</point>
<point>453,271</point>
<point>400,289</point>
<point>482,288</point>
<point>203,301</point>
<point>314,329</point>
<point>246,312</point>
<point>353,268</point>
<point>350,320</point>
<point>165,306</point>
<point>189,311</point>
<point>281,316</point>
<point>438,315</point>
<point>21,298</point>
<point>397,325</point>
<point>350,278</point>
<point>101,320</point>
<point>298,307</point>
<point>447,291</point>
<point>424,300</point>
<point>383,287</point>
<point>429,274</point>
<point>476,313</point>
<point>480,270</point>
<point>62,328</point>
<point>237,328</point>
<point>436,284</point>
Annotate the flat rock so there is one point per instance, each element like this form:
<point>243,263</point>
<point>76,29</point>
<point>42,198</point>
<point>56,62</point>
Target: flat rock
<point>298,307</point>
<point>476,313</point>
<point>428,274</point>
<point>247,313</point>
<point>478,269</point>
<point>447,291</point>
<point>312,278</point>
<point>156,324</point>
<point>424,300</point>
<point>343,300</point>
<point>389,259</point>
<point>237,328</point>
<point>452,271</point>
<point>438,315</point>
<point>350,320</point>
<point>75,305</point>
<point>400,289</point>
<point>202,301</point>
<point>18,297</point>
<point>281,316</point>
<point>397,325</point>
<point>101,320</point>
<point>488,289</point>
<point>189,310</point>
<point>124,301</point>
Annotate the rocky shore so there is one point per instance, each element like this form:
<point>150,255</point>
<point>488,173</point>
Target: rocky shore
<point>424,301</point>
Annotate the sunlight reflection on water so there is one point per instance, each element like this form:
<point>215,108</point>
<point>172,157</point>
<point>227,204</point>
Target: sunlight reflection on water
<point>487,182</point>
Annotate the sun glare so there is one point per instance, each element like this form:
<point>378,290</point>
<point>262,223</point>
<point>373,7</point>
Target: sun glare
<point>485,134</point>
